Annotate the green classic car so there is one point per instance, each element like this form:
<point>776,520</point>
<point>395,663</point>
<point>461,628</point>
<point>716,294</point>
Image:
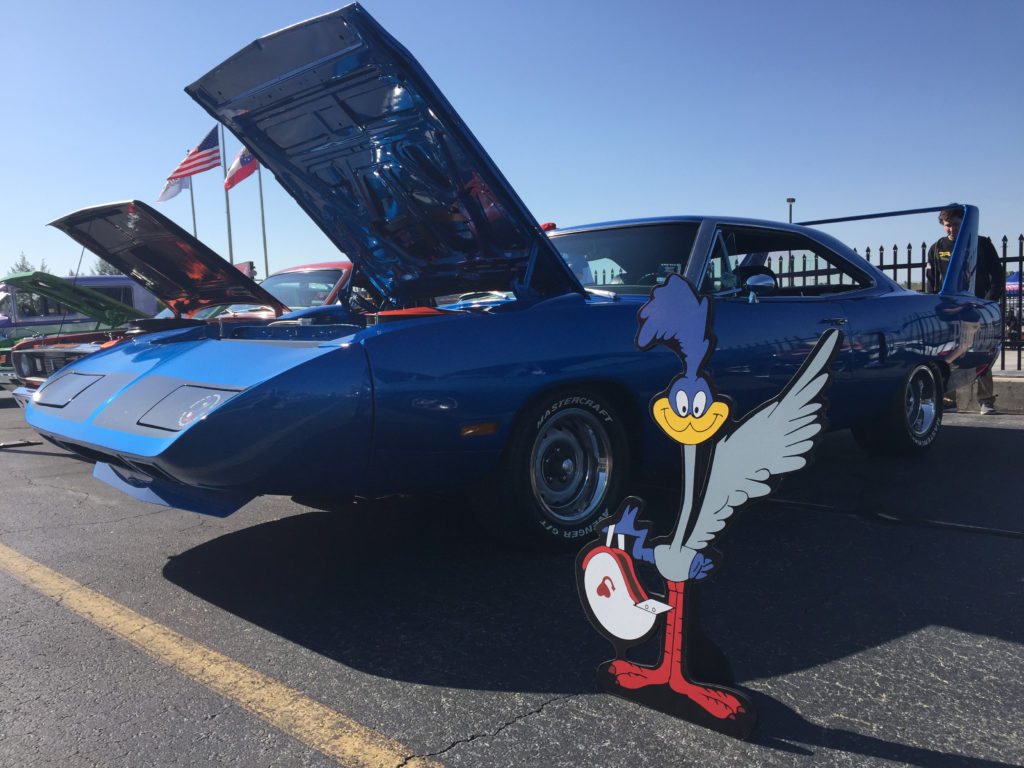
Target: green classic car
<point>38,304</point>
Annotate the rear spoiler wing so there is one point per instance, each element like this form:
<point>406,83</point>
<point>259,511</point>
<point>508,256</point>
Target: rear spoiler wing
<point>963,264</point>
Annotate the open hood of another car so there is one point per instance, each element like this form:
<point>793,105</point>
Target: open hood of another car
<point>174,266</point>
<point>361,137</point>
<point>76,298</point>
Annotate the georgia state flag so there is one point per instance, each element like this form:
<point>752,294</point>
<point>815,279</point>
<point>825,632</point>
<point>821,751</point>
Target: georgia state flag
<point>241,168</point>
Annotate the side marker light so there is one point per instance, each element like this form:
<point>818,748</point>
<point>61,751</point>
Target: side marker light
<point>478,430</point>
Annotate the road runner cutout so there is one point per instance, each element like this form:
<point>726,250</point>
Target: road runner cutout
<point>726,464</point>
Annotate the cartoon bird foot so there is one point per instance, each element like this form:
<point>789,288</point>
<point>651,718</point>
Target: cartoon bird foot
<point>714,701</point>
<point>634,676</point>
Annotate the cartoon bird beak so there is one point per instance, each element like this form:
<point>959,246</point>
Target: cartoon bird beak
<point>689,430</point>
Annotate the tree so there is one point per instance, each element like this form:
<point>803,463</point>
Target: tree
<point>24,265</point>
<point>21,265</point>
<point>100,267</point>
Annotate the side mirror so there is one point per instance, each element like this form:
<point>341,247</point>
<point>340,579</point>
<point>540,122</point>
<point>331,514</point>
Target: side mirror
<point>760,284</point>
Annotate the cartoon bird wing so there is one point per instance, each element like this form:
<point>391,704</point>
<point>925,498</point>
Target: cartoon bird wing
<point>771,441</point>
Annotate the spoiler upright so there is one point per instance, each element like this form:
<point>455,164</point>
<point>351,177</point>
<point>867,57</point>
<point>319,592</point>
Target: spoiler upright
<point>963,264</point>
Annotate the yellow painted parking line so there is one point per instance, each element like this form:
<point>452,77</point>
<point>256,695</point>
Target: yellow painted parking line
<point>309,721</point>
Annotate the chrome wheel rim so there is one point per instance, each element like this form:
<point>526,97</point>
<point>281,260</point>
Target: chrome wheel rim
<point>922,408</point>
<point>570,466</point>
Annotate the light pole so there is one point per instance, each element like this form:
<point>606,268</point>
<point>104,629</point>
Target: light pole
<point>790,200</point>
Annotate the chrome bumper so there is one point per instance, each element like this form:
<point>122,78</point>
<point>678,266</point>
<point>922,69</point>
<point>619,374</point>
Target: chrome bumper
<point>22,395</point>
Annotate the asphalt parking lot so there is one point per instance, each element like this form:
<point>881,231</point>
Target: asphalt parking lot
<point>872,610</point>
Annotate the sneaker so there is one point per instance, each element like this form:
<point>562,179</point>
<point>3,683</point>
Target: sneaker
<point>987,409</point>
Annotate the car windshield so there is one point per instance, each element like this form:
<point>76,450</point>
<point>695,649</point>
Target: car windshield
<point>628,259</point>
<point>298,290</point>
<point>203,314</point>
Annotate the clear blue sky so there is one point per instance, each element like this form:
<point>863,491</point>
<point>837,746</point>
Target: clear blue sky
<point>594,110</point>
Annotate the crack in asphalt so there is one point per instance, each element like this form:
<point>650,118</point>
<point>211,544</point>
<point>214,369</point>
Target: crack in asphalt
<point>86,524</point>
<point>473,737</point>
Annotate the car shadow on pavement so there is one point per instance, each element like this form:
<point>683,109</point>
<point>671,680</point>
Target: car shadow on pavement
<point>841,561</point>
<point>412,589</point>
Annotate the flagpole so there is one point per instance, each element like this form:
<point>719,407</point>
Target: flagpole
<point>227,201</point>
<point>192,195</point>
<point>263,223</point>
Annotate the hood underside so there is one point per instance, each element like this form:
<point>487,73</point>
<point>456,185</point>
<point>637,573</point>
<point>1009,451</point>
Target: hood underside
<point>76,298</point>
<point>170,263</point>
<point>361,137</point>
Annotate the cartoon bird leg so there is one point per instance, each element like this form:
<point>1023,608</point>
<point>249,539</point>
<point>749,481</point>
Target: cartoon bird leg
<point>671,671</point>
<point>633,676</point>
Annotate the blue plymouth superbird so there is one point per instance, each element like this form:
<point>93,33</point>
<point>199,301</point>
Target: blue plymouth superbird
<point>471,346</point>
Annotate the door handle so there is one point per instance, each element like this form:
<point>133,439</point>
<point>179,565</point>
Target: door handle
<point>834,321</point>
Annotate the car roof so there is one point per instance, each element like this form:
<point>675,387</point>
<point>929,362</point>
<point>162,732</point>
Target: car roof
<point>343,265</point>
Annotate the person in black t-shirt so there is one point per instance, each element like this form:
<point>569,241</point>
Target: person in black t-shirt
<point>989,283</point>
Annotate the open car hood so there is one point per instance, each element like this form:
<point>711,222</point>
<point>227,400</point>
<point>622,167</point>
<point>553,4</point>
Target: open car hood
<point>174,266</point>
<point>76,298</point>
<point>361,137</point>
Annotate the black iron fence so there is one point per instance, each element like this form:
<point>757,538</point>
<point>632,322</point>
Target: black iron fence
<point>908,269</point>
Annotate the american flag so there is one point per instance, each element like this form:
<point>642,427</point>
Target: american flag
<point>205,156</point>
<point>242,168</point>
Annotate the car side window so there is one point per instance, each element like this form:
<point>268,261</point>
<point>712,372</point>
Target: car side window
<point>720,274</point>
<point>121,293</point>
<point>799,265</point>
<point>33,307</point>
<point>30,305</point>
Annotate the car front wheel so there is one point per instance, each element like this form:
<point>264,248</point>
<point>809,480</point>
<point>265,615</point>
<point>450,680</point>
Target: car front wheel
<point>566,466</point>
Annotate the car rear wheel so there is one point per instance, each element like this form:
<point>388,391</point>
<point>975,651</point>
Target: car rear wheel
<point>913,419</point>
<point>566,466</point>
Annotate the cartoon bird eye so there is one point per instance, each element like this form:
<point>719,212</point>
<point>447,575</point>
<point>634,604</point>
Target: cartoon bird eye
<point>682,403</point>
<point>700,404</point>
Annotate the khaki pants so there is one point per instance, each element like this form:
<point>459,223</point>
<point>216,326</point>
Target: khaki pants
<point>986,387</point>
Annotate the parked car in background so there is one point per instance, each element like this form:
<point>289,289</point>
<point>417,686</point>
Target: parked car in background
<point>465,350</point>
<point>25,311</point>
<point>34,305</point>
<point>305,286</point>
